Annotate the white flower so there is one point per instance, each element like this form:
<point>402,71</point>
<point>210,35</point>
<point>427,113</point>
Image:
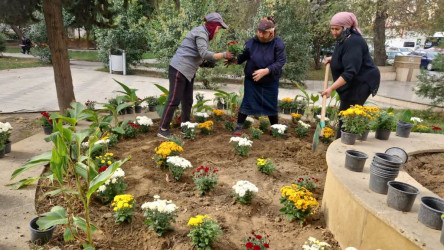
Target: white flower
<point>113,180</point>
<point>281,128</point>
<point>102,142</point>
<point>102,188</point>
<point>189,124</point>
<point>5,127</point>
<point>240,141</point>
<point>107,182</point>
<point>156,197</point>
<point>303,124</point>
<point>118,173</point>
<point>179,162</point>
<point>241,188</point>
<point>85,144</point>
<point>416,119</point>
<point>144,120</point>
<point>325,118</point>
<point>202,114</point>
<point>250,119</point>
<point>162,206</point>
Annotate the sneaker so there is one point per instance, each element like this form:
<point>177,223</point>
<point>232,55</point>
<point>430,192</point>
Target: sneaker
<point>164,134</point>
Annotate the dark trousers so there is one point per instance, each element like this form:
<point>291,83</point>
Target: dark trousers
<point>26,49</point>
<point>346,104</point>
<point>181,92</point>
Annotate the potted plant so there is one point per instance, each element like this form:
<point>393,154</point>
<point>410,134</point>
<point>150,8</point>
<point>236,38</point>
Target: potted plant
<point>5,133</point>
<point>372,114</point>
<point>46,123</point>
<point>40,236</point>
<point>138,105</point>
<point>220,102</point>
<point>405,124</point>
<point>354,123</point>
<point>286,105</point>
<point>2,149</point>
<point>90,105</point>
<point>152,102</point>
<point>384,123</point>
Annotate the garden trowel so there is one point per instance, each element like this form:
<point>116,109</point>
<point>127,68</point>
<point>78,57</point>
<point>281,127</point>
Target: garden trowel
<point>319,127</point>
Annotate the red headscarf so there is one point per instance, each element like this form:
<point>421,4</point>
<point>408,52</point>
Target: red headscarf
<point>211,27</point>
<point>345,19</point>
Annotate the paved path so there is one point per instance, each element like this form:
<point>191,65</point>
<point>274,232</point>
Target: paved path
<point>33,89</point>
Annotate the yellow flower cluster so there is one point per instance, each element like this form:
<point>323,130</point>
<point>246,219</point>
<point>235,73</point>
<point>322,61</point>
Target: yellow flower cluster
<point>421,127</point>
<point>262,161</point>
<point>287,99</point>
<point>167,148</point>
<point>354,112</point>
<point>301,197</point>
<point>122,201</point>
<point>370,110</point>
<point>296,115</point>
<point>107,158</point>
<point>208,125</point>
<point>218,112</point>
<point>328,132</point>
<point>199,219</point>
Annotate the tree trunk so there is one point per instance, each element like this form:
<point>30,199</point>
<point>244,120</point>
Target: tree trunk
<point>379,30</point>
<point>87,38</point>
<point>17,31</point>
<point>57,40</point>
<point>177,4</point>
<point>317,57</point>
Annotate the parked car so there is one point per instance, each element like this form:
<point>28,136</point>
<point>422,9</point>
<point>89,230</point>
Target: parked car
<point>391,57</point>
<point>427,57</point>
<point>404,50</point>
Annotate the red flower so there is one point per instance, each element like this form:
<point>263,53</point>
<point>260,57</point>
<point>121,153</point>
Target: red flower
<point>238,134</point>
<point>436,128</point>
<point>257,247</point>
<point>215,170</point>
<point>206,169</point>
<point>266,245</point>
<point>258,237</point>
<point>102,169</point>
<point>249,245</point>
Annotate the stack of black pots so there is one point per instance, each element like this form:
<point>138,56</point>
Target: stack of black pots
<point>384,168</point>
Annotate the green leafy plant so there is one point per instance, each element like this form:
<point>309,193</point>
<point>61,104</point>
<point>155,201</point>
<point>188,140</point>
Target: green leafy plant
<point>159,215</point>
<point>152,101</point>
<point>241,145</point>
<point>205,179</point>
<point>189,128</point>
<point>385,120</point>
<point>123,206</point>
<point>310,183</point>
<point>203,231</point>
<point>177,166</point>
<point>265,165</point>
<point>130,129</point>
<point>264,123</point>
<point>298,203</point>
<point>405,116</point>
<point>73,170</point>
<point>302,129</point>
<point>230,124</point>
<point>244,192</point>
<point>255,133</point>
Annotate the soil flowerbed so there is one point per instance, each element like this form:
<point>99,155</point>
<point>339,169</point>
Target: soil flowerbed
<point>292,156</point>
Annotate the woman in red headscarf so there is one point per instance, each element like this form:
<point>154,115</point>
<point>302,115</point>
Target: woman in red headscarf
<point>354,73</point>
<point>193,50</point>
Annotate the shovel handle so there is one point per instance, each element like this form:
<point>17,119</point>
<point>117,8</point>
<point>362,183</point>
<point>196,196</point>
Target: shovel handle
<point>324,97</point>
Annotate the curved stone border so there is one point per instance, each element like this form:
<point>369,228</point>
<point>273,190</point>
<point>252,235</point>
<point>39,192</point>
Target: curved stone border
<point>359,217</point>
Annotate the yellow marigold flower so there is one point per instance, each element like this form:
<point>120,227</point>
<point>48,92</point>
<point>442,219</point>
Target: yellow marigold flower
<point>296,115</point>
<point>115,209</point>
<point>109,162</point>
<point>102,161</point>
<point>287,99</point>
<point>218,112</point>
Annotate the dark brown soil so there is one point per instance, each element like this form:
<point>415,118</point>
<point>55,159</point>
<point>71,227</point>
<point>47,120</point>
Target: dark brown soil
<point>428,169</point>
<point>292,156</point>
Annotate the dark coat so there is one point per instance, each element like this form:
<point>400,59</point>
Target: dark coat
<point>351,60</point>
<point>260,98</point>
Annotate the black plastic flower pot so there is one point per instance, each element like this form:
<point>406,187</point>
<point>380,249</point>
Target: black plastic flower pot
<point>47,130</point>
<point>129,110</point>
<point>401,196</point>
<point>138,109</point>
<point>220,105</point>
<point>2,152</point>
<point>403,129</point>
<point>382,134</point>
<point>8,147</point>
<point>151,108</point>
<point>430,212</point>
<point>378,184</point>
<point>364,136</point>
<point>348,138</point>
<point>355,160</point>
<point>40,237</point>
<point>387,160</point>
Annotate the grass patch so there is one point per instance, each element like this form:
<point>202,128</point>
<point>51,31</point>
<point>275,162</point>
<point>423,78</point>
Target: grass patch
<point>13,50</point>
<point>84,55</point>
<point>317,75</point>
<point>18,63</point>
<point>148,55</point>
